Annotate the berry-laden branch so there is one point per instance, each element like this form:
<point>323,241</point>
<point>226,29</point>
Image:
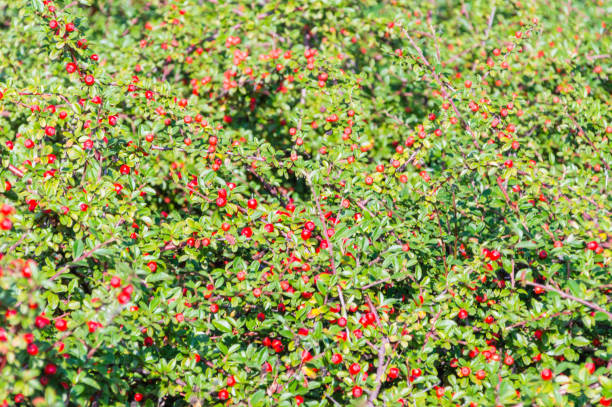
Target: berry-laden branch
<point>442,85</point>
<point>84,256</point>
<point>382,363</point>
<point>523,323</point>
<point>511,204</point>
<point>330,246</point>
<point>266,286</point>
<point>571,297</point>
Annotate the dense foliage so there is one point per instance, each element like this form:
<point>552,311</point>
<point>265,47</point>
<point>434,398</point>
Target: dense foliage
<point>327,203</point>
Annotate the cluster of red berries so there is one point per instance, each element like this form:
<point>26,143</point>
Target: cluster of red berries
<point>5,222</point>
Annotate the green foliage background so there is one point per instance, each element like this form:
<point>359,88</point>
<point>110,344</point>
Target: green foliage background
<point>450,194</point>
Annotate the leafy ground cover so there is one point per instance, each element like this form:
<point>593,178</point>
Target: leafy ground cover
<point>321,203</point>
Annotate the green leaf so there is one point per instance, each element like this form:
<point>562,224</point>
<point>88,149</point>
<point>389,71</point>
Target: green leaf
<point>580,341</point>
<point>37,5</point>
<point>222,325</point>
<point>77,249</point>
<point>526,244</point>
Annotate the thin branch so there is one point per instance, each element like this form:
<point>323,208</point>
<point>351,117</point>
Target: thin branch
<point>571,297</point>
<point>443,92</point>
<point>489,25</point>
<point>382,365</point>
<point>84,256</point>
<point>431,330</point>
<point>330,247</point>
<point>16,171</point>
<point>18,242</point>
<point>511,204</point>
<point>384,280</point>
<point>594,57</point>
<point>523,323</point>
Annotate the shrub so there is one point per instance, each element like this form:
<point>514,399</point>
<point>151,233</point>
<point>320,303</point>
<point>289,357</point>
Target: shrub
<point>325,203</point>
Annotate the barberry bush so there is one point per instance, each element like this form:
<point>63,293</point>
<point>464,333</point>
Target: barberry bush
<point>321,203</point>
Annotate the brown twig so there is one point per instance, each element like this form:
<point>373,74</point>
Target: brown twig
<point>523,323</point>
<point>571,297</point>
<point>431,330</point>
<point>443,92</point>
<point>330,247</point>
<point>381,364</point>
<point>511,204</point>
<point>83,257</point>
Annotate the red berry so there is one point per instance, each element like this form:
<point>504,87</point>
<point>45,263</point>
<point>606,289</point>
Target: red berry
<point>247,232</point>
<point>354,368</point>
<point>494,255</point>
<point>61,324</point>
<point>50,369</point>
<point>546,374</point>
<point>71,67</point>
<point>590,367</point>
<point>152,266</point>
<point>6,224</point>
<point>592,245</point>
<point>32,349</point>
<point>41,322</point>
